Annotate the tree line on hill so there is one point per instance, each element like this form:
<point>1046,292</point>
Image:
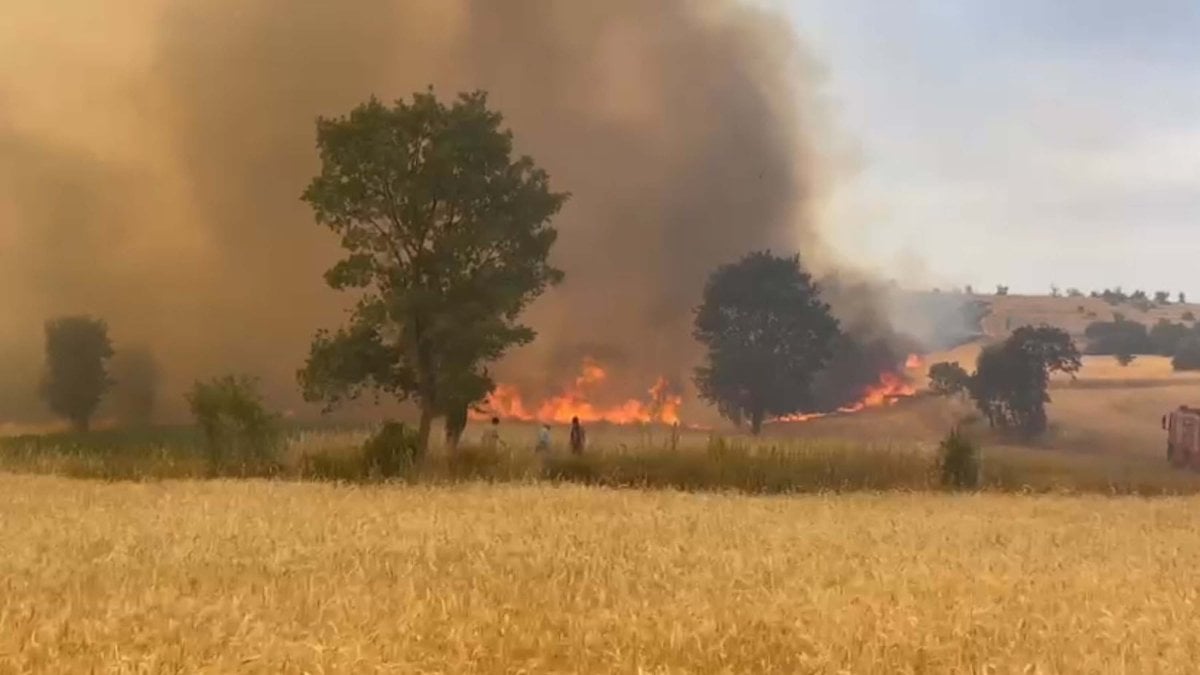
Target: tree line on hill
<point>1125,340</point>
<point>1113,296</point>
<point>1138,298</point>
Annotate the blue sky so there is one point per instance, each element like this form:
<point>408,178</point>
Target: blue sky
<point>1025,142</point>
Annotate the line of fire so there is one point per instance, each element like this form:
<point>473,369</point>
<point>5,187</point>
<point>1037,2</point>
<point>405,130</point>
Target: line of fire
<point>583,398</point>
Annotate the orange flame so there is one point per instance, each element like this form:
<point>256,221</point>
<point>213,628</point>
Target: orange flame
<point>665,404</point>
<point>888,391</point>
<point>506,402</point>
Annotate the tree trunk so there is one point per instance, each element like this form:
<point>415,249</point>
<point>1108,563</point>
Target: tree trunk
<point>756,422</point>
<point>456,421</point>
<point>423,429</point>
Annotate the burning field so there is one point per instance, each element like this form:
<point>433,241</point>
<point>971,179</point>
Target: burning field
<point>891,388</point>
<point>589,398</point>
<point>583,398</point>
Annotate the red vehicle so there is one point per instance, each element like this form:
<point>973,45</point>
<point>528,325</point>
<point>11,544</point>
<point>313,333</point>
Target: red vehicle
<point>1183,436</point>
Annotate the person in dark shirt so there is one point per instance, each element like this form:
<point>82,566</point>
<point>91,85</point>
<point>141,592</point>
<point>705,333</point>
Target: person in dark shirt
<point>577,436</point>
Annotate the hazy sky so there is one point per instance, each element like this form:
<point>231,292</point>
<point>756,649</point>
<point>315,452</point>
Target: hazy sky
<point>1025,142</point>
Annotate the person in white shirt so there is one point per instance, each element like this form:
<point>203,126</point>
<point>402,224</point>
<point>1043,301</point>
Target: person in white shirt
<point>491,437</point>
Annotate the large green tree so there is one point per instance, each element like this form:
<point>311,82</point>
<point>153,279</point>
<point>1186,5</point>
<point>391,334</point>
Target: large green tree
<point>767,333</point>
<point>76,377</point>
<point>1012,378</point>
<point>447,238</point>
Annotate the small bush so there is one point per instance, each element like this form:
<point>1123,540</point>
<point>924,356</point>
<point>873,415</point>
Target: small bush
<point>1188,316</point>
<point>391,451</point>
<point>1142,304</point>
<point>948,379</point>
<point>240,435</point>
<point>1114,297</point>
<point>960,461</point>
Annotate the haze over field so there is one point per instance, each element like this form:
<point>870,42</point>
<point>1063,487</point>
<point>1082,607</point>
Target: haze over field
<point>152,155</point>
<point>152,176</point>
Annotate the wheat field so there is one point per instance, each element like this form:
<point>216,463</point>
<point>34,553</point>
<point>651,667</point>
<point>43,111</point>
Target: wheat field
<point>270,577</point>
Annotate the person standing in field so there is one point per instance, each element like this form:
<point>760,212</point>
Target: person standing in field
<point>543,440</point>
<point>577,436</point>
<point>491,437</point>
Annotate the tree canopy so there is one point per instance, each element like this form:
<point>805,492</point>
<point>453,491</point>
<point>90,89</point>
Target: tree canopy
<point>948,379</point>
<point>1011,380</point>
<point>1118,337</point>
<point>76,377</point>
<point>1166,336</point>
<point>447,239</point>
<point>767,333</point>
<point>1125,339</point>
<point>1187,355</point>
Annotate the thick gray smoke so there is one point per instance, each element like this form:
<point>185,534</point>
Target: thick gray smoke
<point>682,127</point>
<point>678,127</point>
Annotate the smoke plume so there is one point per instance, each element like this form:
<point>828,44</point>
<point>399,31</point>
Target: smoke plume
<point>152,177</point>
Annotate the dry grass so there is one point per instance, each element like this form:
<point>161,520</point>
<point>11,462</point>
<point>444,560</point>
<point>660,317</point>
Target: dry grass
<point>1117,421</point>
<point>274,577</point>
<point>1101,441</point>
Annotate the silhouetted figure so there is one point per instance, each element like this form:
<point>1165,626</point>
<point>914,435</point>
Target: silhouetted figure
<point>491,437</point>
<point>577,436</point>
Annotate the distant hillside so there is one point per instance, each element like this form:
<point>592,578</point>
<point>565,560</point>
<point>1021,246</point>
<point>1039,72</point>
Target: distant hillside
<point>1004,313</point>
<point>1007,312</point>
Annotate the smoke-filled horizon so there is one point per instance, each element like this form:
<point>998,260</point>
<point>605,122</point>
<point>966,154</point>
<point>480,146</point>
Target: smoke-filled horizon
<point>152,157</point>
